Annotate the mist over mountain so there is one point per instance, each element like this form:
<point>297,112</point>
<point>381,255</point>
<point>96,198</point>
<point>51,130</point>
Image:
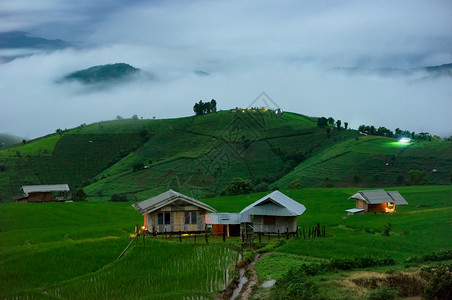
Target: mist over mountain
<point>429,72</point>
<point>9,139</point>
<point>229,52</point>
<point>19,44</point>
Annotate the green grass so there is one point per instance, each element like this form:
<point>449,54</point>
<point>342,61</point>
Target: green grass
<point>69,250</point>
<point>420,228</point>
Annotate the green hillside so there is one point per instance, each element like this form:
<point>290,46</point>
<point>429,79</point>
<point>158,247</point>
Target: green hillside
<point>372,161</point>
<point>70,250</point>
<point>200,155</point>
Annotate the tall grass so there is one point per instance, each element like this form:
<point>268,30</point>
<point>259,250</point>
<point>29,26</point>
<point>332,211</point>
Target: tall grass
<point>157,270</point>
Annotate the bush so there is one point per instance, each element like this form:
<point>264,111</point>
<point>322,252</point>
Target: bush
<point>387,229</point>
<point>440,283</point>
<point>239,186</point>
<point>295,285</point>
<point>417,177</point>
<point>80,195</point>
<point>138,166</point>
<point>262,187</point>
<point>383,293</point>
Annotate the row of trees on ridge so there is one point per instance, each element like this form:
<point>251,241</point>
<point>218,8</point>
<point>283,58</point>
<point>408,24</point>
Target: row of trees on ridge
<point>202,108</point>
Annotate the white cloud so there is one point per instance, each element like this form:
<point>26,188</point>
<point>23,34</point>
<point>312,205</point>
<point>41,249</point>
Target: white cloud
<point>247,47</point>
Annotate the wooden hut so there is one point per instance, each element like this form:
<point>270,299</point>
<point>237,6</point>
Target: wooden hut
<point>172,212</point>
<point>44,193</point>
<point>377,201</point>
<point>232,224</point>
<point>274,213</point>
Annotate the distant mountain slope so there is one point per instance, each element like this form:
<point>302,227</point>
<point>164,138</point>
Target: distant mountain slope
<point>103,73</point>
<point>21,39</point>
<point>442,70</point>
<point>9,139</point>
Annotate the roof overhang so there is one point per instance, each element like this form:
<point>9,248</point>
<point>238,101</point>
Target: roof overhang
<point>167,198</point>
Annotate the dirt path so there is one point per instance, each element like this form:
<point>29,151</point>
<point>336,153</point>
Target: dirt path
<point>252,278</point>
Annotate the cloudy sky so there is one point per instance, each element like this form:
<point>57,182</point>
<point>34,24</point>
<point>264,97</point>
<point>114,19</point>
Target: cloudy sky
<point>289,49</point>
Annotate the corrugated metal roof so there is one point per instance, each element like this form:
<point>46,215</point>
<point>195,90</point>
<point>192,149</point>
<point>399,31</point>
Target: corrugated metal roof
<point>372,196</point>
<point>398,199</point>
<point>275,204</point>
<point>166,198</point>
<point>379,196</point>
<point>227,218</point>
<point>45,188</point>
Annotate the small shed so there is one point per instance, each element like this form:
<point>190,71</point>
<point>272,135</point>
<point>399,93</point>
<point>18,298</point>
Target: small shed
<point>274,213</point>
<point>44,193</point>
<point>230,223</point>
<point>378,200</point>
<point>173,212</point>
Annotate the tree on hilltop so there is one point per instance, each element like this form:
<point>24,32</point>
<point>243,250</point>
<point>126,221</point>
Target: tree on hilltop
<point>202,108</point>
<point>322,122</point>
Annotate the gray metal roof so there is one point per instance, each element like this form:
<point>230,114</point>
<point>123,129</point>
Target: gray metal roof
<point>166,198</point>
<point>379,196</point>
<point>227,218</point>
<point>45,188</point>
<point>354,210</point>
<point>398,199</point>
<point>275,204</point>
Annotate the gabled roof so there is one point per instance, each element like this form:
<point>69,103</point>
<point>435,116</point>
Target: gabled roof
<point>227,218</point>
<point>45,188</point>
<point>167,198</point>
<point>398,199</point>
<point>275,204</point>
<point>379,196</point>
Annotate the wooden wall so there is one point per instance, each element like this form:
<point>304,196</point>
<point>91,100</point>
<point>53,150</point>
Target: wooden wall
<point>177,219</point>
<point>380,207</point>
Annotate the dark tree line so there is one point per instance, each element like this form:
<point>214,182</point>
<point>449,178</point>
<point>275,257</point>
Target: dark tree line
<point>330,124</point>
<point>398,133</point>
<point>202,108</point>
<point>371,130</point>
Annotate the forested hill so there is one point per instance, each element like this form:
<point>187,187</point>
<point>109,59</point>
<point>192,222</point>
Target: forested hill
<point>201,155</point>
<point>103,74</point>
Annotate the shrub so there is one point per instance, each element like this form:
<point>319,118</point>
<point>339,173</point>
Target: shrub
<point>440,283</point>
<point>383,293</point>
<point>417,177</point>
<point>80,195</point>
<point>262,187</point>
<point>138,166</point>
<point>387,229</point>
<point>294,285</point>
<point>239,186</point>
